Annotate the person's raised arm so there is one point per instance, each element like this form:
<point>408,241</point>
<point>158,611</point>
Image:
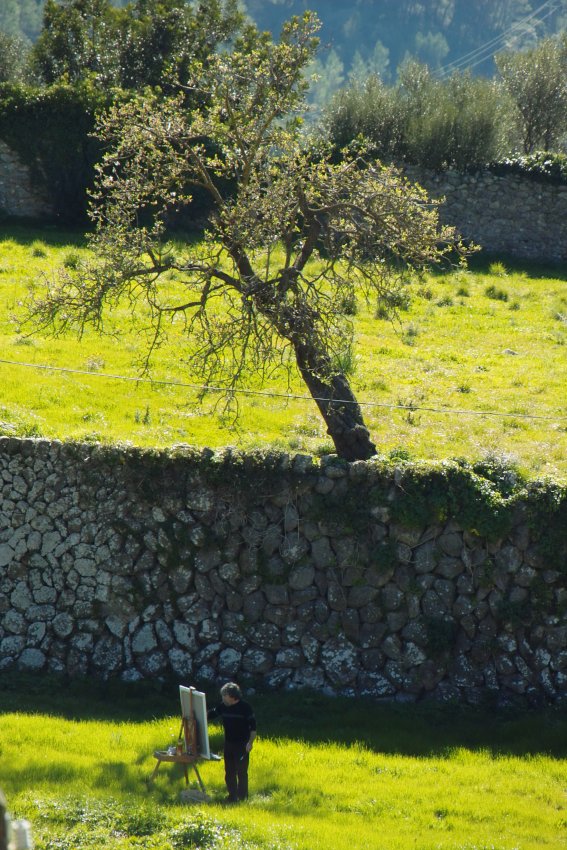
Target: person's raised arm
<point>213,712</point>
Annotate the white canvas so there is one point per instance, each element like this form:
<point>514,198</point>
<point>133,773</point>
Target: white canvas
<point>200,713</point>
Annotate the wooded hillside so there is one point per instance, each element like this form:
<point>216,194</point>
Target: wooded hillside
<point>381,33</point>
<point>366,35</point>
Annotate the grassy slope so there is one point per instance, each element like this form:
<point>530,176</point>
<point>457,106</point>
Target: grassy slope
<point>456,347</point>
<point>325,773</point>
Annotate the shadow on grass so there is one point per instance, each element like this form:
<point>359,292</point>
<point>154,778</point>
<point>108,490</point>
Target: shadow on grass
<point>420,729</point>
<point>481,262</point>
<point>131,778</point>
<point>134,777</point>
<point>535,269</point>
<point>87,699</point>
<point>26,232</point>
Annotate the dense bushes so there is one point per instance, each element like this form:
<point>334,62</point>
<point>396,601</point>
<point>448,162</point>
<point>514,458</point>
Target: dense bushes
<point>461,122</point>
<point>146,43</point>
<point>50,129</point>
<point>367,109</point>
<point>536,83</point>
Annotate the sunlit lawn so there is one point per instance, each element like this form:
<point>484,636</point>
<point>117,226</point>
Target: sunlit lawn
<point>476,365</point>
<point>325,773</point>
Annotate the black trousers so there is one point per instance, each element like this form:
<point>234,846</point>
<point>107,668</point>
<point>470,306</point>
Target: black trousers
<point>236,761</point>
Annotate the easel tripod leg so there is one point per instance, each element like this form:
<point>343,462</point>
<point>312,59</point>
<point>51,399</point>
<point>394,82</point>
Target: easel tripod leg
<point>202,787</point>
<point>154,774</point>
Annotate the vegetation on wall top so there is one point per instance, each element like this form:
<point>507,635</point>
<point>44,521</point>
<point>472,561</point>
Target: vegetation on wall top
<point>485,498</point>
<point>459,120</point>
<point>541,166</point>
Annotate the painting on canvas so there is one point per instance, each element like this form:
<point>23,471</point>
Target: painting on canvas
<point>190,697</point>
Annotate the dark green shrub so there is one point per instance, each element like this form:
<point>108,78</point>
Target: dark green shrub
<point>50,131</point>
<point>461,122</point>
<point>348,305</point>
<point>71,260</point>
<point>390,303</point>
<point>535,80</point>
<point>367,109</point>
<point>400,453</point>
<point>501,472</point>
<point>495,293</point>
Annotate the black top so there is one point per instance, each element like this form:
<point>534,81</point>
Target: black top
<point>238,720</point>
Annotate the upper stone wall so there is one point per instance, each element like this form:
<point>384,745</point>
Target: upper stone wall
<point>19,196</point>
<point>509,215</point>
<point>506,215</point>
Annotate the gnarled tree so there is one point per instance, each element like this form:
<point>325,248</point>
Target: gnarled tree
<point>295,232</point>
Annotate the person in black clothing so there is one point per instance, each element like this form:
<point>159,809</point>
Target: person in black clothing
<point>239,724</point>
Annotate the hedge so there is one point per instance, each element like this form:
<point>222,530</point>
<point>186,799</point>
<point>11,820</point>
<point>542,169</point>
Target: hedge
<point>50,129</point>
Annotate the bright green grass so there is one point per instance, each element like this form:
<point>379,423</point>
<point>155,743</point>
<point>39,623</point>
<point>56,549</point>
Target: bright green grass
<point>475,343</point>
<point>325,773</point>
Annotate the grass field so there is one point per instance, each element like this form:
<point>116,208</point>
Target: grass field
<point>477,365</point>
<point>325,773</point>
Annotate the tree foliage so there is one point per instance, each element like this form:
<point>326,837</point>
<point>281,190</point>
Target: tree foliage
<point>51,129</point>
<point>89,55</point>
<point>536,80</point>
<point>13,58</point>
<point>162,38</point>
<point>300,233</point>
<point>79,39</point>
<point>141,44</point>
<point>460,122</point>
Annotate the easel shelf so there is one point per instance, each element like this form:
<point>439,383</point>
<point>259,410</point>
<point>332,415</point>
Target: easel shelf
<point>185,759</point>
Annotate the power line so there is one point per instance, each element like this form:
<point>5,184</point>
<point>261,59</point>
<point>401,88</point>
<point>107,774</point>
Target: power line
<point>487,47</point>
<point>287,396</point>
<point>486,50</point>
<point>482,59</point>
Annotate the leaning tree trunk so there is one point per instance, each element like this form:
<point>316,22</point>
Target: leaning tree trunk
<point>337,403</point>
<point>330,390</point>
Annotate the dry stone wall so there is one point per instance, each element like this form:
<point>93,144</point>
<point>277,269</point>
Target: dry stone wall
<point>506,215</point>
<point>20,196</point>
<point>288,572</point>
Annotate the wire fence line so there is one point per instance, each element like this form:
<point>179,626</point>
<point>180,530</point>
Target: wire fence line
<point>286,396</point>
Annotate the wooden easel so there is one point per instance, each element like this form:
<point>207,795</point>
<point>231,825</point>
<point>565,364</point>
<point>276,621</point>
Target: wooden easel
<point>189,755</point>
